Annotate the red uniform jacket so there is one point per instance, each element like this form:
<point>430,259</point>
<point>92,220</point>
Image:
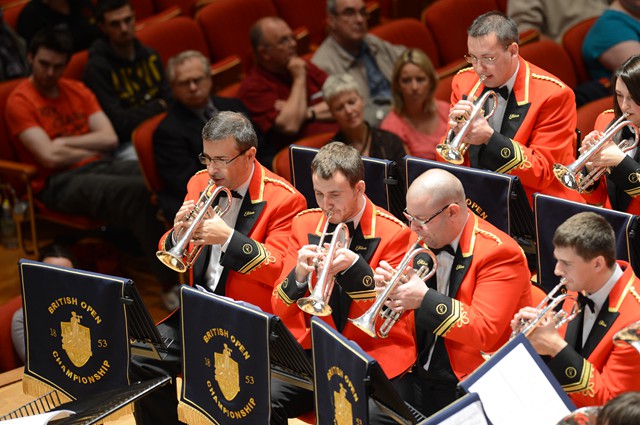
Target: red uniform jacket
<point>619,190</point>
<point>489,283</point>
<point>379,236</point>
<point>603,370</point>
<point>538,129</point>
<point>254,258</point>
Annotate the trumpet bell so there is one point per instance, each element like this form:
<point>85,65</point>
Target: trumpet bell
<point>450,153</point>
<point>172,261</point>
<point>568,178</point>
<point>314,306</point>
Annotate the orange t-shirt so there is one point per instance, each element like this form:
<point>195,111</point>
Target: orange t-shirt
<point>66,115</point>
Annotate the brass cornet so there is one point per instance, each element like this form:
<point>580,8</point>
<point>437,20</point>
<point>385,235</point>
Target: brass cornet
<point>317,303</point>
<point>453,148</point>
<point>549,303</point>
<point>176,258</point>
<point>367,322</point>
<point>571,175</point>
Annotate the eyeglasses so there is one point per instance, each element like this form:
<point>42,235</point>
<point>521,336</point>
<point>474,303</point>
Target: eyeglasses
<point>411,218</point>
<point>187,83</point>
<point>484,60</point>
<point>217,162</point>
<point>351,12</point>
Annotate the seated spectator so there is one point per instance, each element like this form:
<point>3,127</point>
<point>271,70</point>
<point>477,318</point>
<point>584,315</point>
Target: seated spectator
<point>552,18</point>
<point>347,107</point>
<point>417,117</point>
<point>177,141</point>
<point>612,39</point>
<point>350,48</point>
<point>283,91</point>
<point>57,125</point>
<point>621,410</point>
<point>126,76</point>
<point>76,16</point>
<point>57,255</point>
<point>13,52</point>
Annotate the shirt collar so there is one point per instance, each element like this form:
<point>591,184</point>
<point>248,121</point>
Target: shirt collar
<point>600,296</point>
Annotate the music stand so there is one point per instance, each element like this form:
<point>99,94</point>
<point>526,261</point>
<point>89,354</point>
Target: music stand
<point>550,212</point>
<point>348,376</point>
<point>496,197</point>
<point>380,175</point>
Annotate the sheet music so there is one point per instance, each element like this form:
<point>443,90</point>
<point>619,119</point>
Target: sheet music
<point>40,419</point>
<point>468,415</point>
<point>517,388</point>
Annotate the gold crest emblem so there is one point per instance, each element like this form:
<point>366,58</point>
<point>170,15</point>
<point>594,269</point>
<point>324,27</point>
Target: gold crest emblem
<point>247,248</point>
<point>367,281</point>
<point>633,177</point>
<point>505,152</point>
<point>76,340</point>
<point>571,372</point>
<point>226,373</point>
<point>441,309</point>
<point>343,410</point>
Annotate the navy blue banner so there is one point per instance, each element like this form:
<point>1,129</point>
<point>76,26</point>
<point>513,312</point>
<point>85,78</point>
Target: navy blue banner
<point>75,329</point>
<point>340,368</point>
<point>225,373</point>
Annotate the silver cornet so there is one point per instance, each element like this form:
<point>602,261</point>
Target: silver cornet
<point>549,303</point>
<point>367,322</point>
<point>176,258</point>
<point>571,175</point>
<point>453,148</point>
<point>317,303</point>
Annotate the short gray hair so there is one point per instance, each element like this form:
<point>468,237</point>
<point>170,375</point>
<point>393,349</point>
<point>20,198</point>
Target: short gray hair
<point>181,58</point>
<point>503,27</point>
<point>234,124</point>
<point>338,84</point>
<point>331,6</point>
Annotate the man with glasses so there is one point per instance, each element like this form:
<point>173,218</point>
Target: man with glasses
<point>283,91</point>
<point>482,278</point>
<point>177,141</point>
<point>242,254</point>
<point>126,76</point>
<point>337,172</point>
<point>351,49</point>
<point>535,119</point>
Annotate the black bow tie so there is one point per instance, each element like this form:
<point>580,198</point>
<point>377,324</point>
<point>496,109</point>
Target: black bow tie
<point>502,91</point>
<point>349,224</point>
<point>447,248</point>
<point>584,300</point>
<point>234,194</point>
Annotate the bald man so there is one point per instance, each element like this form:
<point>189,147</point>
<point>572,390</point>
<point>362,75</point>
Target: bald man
<point>481,280</point>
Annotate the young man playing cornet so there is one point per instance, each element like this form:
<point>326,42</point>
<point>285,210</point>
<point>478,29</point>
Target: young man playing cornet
<point>482,279</point>
<point>337,174</point>
<point>583,357</point>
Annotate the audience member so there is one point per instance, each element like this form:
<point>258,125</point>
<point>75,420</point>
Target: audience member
<point>416,117</point>
<point>177,141</point>
<point>612,39</point>
<point>57,255</point>
<point>582,355</point>
<point>621,410</point>
<point>552,18</point>
<point>481,280</point>
<point>621,186</point>
<point>13,52</point>
<point>347,108</point>
<point>283,91</point>
<point>76,16</point>
<point>534,124</point>
<point>350,48</point>
<point>337,172</point>
<point>242,251</point>
<point>57,125</point>
<point>126,76</point>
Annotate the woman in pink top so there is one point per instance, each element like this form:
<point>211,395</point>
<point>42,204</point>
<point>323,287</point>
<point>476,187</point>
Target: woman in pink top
<point>417,117</point>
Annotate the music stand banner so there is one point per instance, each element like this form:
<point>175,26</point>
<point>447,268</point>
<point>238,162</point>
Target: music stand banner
<point>225,350</point>
<point>340,371</point>
<point>75,330</point>
<point>551,212</point>
<point>488,193</point>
